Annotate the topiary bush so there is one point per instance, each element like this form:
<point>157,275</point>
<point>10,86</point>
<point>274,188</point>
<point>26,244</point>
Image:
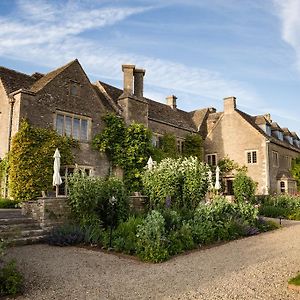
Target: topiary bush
<point>178,183</point>
<point>243,187</point>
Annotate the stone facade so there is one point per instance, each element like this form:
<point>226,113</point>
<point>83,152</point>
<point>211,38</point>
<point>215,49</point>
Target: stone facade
<point>65,100</point>
<point>237,135</point>
<point>48,212</point>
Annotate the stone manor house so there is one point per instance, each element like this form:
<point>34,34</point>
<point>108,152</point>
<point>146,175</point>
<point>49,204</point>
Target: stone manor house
<point>65,100</point>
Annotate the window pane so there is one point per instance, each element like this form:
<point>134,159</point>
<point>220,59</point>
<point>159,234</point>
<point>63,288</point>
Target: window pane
<point>254,157</point>
<point>76,128</point>
<point>68,129</point>
<point>60,124</point>
<point>84,130</point>
<point>213,160</point>
<point>249,157</point>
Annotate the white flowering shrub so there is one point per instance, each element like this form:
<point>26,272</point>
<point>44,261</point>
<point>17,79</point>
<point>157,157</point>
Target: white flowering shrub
<point>178,183</point>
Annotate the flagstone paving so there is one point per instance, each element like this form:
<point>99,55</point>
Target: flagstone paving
<point>252,268</point>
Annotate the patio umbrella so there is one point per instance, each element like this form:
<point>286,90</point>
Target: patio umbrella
<point>210,185</point>
<point>217,184</point>
<point>150,163</point>
<point>56,168</point>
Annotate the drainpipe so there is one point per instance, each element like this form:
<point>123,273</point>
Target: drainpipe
<point>268,167</point>
<point>11,113</point>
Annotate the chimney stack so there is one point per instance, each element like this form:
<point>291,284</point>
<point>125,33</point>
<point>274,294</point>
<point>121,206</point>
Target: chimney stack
<point>139,82</point>
<point>229,105</point>
<point>268,117</point>
<point>171,101</point>
<point>128,78</point>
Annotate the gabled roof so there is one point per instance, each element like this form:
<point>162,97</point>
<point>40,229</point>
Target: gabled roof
<point>261,120</point>
<point>13,80</point>
<point>286,132</point>
<point>41,83</point>
<point>157,111</point>
<point>251,121</point>
<point>276,127</point>
<point>294,135</point>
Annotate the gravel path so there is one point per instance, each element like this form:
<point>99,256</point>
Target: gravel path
<point>252,268</point>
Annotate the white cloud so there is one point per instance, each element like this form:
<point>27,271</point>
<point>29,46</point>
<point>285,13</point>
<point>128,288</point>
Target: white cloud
<point>289,13</point>
<point>52,34</point>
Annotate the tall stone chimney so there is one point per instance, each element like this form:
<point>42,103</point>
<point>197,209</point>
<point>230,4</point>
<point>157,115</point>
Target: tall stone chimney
<point>229,105</point>
<point>128,78</point>
<point>139,82</point>
<point>171,101</point>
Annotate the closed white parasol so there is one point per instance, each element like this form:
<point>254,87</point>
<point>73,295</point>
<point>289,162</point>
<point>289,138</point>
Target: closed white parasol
<point>56,168</point>
<point>217,184</point>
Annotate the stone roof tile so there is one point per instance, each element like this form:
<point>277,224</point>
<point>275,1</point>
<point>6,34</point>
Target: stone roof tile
<point>13,80</point>
<point>41,83</point>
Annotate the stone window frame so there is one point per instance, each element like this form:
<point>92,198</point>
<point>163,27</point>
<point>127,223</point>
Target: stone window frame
<point>251,157</point>
<point>209,159</point>
<point>288,162</point>
<point>74,116</point>
<point>156,139</point>
<point>66,173</point>
<point>74,84</point>
<point>275,158</point>
<point>180,144</point>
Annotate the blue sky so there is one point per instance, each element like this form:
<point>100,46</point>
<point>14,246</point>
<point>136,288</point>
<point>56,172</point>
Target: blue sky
<point>201,51</point>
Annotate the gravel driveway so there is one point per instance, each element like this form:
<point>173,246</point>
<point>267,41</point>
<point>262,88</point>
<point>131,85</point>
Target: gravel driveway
<point>252,268</point>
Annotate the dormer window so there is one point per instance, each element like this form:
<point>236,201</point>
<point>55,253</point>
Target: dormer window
<point>279,135</point>
<point>266,128</point>
<point>289,139</point>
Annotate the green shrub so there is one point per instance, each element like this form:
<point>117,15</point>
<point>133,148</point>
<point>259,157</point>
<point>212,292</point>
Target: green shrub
<point>222,220</point>
<point>66,235</point>
<point>89,200</point>
<point>93,234</point>
<point>8,203</point>
<point>125,235</point>
<point>286,206</point>
<point>152,243</point>
<point>11,280</point>
<point>183,180</point>
<point>181,239</point>
<point>243,187</point>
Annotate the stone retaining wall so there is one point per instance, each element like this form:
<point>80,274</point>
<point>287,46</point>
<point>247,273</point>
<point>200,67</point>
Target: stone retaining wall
<point>47,211</point>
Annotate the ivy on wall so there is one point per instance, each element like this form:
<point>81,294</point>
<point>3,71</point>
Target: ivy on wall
<point>127,147</point>
<point>31,160</point>
<point>3,173</point>
<point>193,146</point>
<point>296,171</point>
<point>130,148</point>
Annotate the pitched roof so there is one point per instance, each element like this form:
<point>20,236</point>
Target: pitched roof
<point>157,111</point>
<point>13,80</point>
<point>276,127</point>
<point>41,83</point>
<point>261,120</point>
<point>286,132</point>
<point>251,121</point>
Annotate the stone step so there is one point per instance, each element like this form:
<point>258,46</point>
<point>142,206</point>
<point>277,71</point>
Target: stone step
<point>22,233</point>
<point>18,220</point>
<point>20,226</point>
<point>27,240</point>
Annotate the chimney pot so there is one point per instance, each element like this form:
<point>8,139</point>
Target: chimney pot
<point>171,101</point>
<point>139,82</point>
<point>229,105</point>
<point>128,78</point>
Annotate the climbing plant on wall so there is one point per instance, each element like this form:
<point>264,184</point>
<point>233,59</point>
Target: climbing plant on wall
<point>127,147</point>
<point>193,146</point>
<point>31,160</point>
